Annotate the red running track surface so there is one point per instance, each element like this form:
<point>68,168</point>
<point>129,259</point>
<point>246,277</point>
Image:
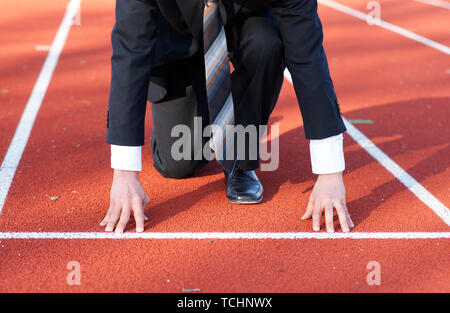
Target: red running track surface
<point>399,84</point>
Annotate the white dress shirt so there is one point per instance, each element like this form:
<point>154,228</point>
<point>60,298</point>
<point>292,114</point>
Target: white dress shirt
<point>327,156</point>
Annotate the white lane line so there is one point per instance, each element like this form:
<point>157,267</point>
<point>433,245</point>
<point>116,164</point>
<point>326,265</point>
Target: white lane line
<point>224,235</point>
<point>413,185</point>
<point>391,27</point>
<point>23,130</point>
<point>436,3</point>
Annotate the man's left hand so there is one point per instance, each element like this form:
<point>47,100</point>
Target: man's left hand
<point>328,193</point>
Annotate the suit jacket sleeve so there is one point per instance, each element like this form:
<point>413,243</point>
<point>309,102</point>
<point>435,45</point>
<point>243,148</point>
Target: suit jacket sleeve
<point>133,41</point>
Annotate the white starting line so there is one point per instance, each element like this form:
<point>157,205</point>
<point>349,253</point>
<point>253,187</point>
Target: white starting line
<point>227,235</point>
<point>20,139</point>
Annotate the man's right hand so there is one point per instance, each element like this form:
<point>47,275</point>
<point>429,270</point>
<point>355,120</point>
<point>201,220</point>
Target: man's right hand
<point>127,196</point>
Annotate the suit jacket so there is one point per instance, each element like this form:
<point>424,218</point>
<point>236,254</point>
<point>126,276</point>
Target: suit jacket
<point>147,34</point>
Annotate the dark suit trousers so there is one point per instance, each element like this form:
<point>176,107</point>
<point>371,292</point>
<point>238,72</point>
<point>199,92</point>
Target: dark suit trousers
<point>302,35</point>
<point>256,53</point>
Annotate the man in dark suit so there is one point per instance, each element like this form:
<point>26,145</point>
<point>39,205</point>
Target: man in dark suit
<point>158,54</point>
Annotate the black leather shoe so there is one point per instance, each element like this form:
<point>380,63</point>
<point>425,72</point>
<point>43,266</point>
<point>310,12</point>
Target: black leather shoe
<point>243,187</point>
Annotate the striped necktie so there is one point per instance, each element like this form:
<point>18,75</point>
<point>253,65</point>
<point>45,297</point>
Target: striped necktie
<point>218,86</point>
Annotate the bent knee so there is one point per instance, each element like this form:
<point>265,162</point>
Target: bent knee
<point>266,47</point>
<point>262,49</point>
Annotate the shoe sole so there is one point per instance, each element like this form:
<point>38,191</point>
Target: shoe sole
<point>246,201</point>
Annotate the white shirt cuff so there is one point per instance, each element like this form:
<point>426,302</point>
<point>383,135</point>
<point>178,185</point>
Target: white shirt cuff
<point>126,158</point>
<point>327,155</point>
